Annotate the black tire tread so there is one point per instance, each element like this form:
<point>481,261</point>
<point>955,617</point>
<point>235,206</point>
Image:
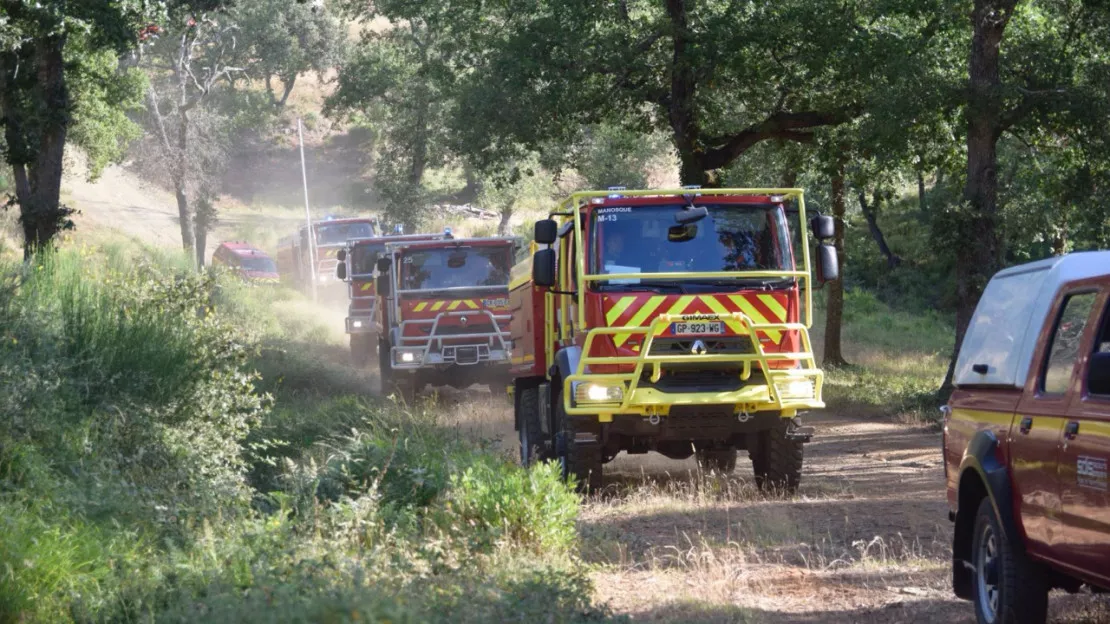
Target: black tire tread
<point>531,427</point>
<point>1022,583</point>
<point>777,460</point>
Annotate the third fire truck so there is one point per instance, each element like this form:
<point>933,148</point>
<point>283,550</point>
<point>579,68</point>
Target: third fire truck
<point>444,311</point>
<point>669,321</point>
<point>357,266</point>
<point>329,236</point>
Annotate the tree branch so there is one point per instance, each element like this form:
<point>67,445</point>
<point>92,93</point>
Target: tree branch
<point>780,125</point>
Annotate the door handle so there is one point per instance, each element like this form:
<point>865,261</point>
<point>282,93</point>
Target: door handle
<point>1071,430</point>
<point>1026,425</point>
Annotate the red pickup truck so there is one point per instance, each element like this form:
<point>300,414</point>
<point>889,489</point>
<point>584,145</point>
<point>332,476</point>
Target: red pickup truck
<point>1027,439</point>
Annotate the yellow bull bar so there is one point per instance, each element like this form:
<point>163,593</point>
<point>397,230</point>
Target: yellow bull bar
<point>652,401</point>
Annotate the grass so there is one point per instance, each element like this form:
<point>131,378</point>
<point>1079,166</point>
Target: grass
<point>178,447</point>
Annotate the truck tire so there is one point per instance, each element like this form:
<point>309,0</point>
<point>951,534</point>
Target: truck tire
<point>720,461</point>
<point>385,367</point>
<point>777,459</point>
<point>362,350</point>
<point>581,461</point>
<point>533,447</point>
<point>1007,587</point>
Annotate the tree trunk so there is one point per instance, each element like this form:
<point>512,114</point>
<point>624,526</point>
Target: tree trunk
<point>892,259</point>
<point>834,309</point>
<point>681,111</point>
<point>922,206</point>
<point>38,174</point>
<point>184,214</point>
<point>978,244</point>
<point>506,216</point>
<point>287,88</point>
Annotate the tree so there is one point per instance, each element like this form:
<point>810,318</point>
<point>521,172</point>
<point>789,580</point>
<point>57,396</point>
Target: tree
<point>44,46</point>
<point>281,40</point>
<point>398,81</point>
<point>717,77</point>
<point>187,65</point>
<point>1047,78</point>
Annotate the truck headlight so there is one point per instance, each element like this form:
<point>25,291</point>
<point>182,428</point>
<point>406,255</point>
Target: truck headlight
<point>412,356</point>
<point>356,324</point>
<point>591,392</point>
<point>796,389</point>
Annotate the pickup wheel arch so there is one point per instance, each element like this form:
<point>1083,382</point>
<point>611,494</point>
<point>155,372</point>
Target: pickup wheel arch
<point>982,475</point>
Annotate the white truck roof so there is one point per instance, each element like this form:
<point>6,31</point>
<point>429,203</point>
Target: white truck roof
<point>1008,319</point>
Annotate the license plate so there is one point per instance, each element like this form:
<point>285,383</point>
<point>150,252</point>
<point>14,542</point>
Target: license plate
<point>697,328</point>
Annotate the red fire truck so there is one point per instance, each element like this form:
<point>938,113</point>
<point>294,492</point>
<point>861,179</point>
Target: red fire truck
<point>357,266</point>
<point>329,236</point>
<point>669,321</point>
<point>444,312</point>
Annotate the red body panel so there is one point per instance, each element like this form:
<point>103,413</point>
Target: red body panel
<point>1058,479</point>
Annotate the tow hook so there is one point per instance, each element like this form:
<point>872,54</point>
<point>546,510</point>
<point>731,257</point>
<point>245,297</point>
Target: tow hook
<point>654,420</point>
<point>800,434</point>
<point>743,417</point>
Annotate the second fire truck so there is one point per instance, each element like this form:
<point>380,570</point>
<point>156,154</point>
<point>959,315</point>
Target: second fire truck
<point>444,313</point>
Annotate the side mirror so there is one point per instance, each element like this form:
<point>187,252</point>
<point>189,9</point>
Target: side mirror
<point>828,265</point>
<point>384,264</point>
<point>341,255</point>
<point>543,268</point>
<point>383,285</point>
<point>823,226</point>
<point>341,270</point>
<point>546,231</point>
<point>1098,374</point>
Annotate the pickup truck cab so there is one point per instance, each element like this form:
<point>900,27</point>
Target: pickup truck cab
<point>1027,439</point>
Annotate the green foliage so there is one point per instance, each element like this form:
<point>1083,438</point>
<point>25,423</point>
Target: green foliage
<point>530,508</point>
<point>610,155</point>
<point>282,40</point>
<point>105,98</point>
<point>167,491</point>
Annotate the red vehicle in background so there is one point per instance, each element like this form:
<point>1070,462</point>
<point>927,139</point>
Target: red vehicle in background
<point>1027,439</point>
<point>328,237</point>
<point>251,263</point>
<point>444,313</point>
<point>357,266</point>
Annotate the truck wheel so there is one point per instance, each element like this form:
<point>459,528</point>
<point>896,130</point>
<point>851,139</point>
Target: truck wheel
<point>1008,588</point>
<point>720,461</point>
<point>362,350</point>
<point>582,461</point>
<point>533,447</point>
<point>385,368</point>
<point>776,459</point>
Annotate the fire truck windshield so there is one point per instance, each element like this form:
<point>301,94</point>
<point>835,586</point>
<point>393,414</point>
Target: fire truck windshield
<point>363,258</point>
<point>648,239</point>
<point>455,267</point>
<point>259,264</point>
<point>338,233</point>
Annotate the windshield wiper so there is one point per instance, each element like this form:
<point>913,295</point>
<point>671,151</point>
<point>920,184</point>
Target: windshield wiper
<point>653,286</point>
<point>768,283</point>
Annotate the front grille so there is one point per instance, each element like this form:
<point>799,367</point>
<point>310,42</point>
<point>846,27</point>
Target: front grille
<point>455,330</point>
<point>714,345</point>
<point>701,380</point>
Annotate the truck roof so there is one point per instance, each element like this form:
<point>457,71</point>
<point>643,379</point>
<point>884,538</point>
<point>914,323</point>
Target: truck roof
<point>243,248</point>
<point>1007,322</point>
<point>393,238</point>
<point>456,242</point>
<point>617,199</point>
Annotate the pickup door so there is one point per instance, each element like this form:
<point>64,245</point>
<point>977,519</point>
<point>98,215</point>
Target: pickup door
<point>1039,424</point>
<point>1082,465</point>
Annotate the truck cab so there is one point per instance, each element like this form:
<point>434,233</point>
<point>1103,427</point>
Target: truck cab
<point>356,264</point>
<point>444,313</point>
<point>668,321</point>
<point>249,262</point>
<point>313,252</point>
<point>1027,439</point>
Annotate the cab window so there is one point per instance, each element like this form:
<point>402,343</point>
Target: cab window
<point>1064,347</point>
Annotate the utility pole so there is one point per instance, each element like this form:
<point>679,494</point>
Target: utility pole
<point>308,216</point>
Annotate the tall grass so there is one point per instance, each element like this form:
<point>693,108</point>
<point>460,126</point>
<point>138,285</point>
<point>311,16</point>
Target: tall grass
<point>145,475</point>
